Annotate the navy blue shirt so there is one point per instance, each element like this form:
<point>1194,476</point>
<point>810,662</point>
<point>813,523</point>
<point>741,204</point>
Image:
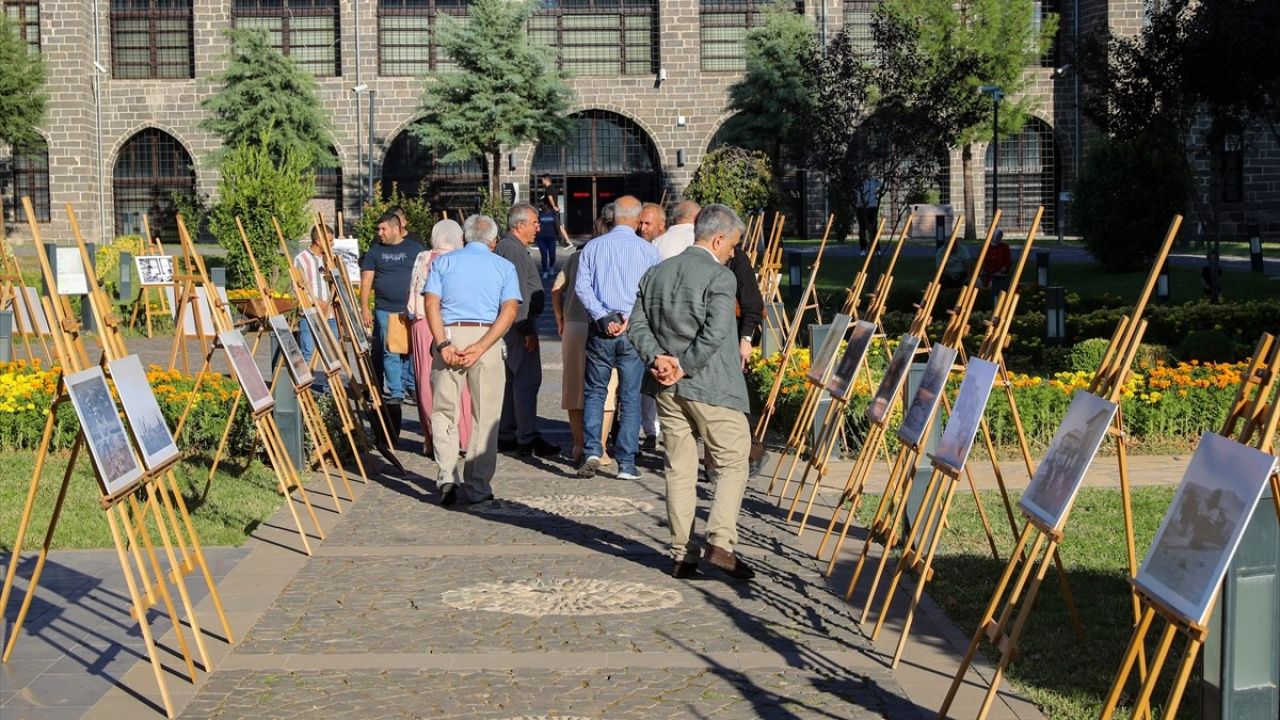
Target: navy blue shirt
<point>392,267</point>
<point>547,222</point>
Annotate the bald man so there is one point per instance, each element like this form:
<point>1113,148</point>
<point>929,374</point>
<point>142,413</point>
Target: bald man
<point>653,222</point>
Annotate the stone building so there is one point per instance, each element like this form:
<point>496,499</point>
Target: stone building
<point>649,81</point>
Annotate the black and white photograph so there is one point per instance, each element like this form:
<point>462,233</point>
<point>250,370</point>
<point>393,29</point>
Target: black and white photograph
<point>140,406</point>
<point>925,400</point>
<point>1053,488</point>
<point>1203,527</point>
<point>840,385</point>
<point>820,362</point>
<point>25,325</point>
<point>154,269</point>
<point>357,323</point>
<point>299,372</point>
<point>891,383</point>
<point>347,251</point>
<point>246,371</point>
<point>326,343</point>
<point>70,272</point>
<point>966,414</point>
<point>104,432</point>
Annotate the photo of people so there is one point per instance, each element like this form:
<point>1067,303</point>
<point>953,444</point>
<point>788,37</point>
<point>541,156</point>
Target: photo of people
<point>1200,532</point>
<point>927,396</point>
<point>140,406</point>
<point>327,344</point>
<point>348,304</point>
<point>891,383</point>
<point>966,414</point>
<point>154,269</point>
<point>113,456</point>
<point>246,371</point>
<point>821,360</point>
<point>294,361</point>
<point>855,351</point>
<point>1053,489</point>
<point>347,251</point>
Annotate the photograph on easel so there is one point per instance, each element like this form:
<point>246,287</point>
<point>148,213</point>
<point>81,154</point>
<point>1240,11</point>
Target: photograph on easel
<point>70,272</point>
<point>966,414</point>
<point>154,269</point>
<point>1053,489</point>
<point>140,406</point>
<point>246,371</point>
<point>330,355</point>
<point>894,375</point>
<point>357,320</point>
<point>840,385</point>
<point>1203,526</point>
<point>294,361</point>
<point>25,325</point>
<point>821,360</point>
<point>347,251</point>
<point>108,442</point>
<point>925,401</point>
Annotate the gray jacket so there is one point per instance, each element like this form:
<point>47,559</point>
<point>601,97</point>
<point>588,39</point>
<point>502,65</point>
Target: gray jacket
<point>530,284</point>
<point>685,308</point>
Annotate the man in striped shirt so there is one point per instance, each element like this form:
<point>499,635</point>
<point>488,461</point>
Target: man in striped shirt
<point>310,264</point>
<point>609,273</point>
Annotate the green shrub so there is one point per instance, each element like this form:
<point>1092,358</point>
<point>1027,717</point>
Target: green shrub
<point>1086,355</point>
<point>107,264</point>
<point>741,179</point>
<point>1207,346</point>
<point>421,218</point>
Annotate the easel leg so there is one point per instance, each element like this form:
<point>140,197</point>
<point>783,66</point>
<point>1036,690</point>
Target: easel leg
<point>139,519</point>
<point>1126,667</point>
<point>178,581</point>
<point>890,538</point>
<point>915,540</point>
<point>922,579</point>
<point>142,620</point>
<point>25,522</point>
<point>284,484</point>
<point>197,551</point>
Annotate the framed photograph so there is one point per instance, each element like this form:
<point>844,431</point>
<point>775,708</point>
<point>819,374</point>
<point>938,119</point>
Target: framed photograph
<point>1200,532</point>
<point>1053,488</point>
<point>299,371</point>
<point>966,414</point>
<point>925,401</point>
<point>326,343</point>
<point>891,383</point>
<point>26,325</point>
<point>840,384</point>
<point>145,418</point>
<point>154,269</point>
<point>113,458</point>
<point>348,302</point>
<point>820,363</point>
<point>70,272</point>
<point>246,371</point>
<point>347,250</point>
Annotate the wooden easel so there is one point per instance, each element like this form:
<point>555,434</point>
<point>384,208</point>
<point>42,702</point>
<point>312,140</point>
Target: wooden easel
<point>13,296</point>
<point>143,303</point>
<point>187,300</point>
<point>751,238</point>
<point>125,509</point>
<point>263,420</point>
<point>769,276</point>
<point>833,422</point>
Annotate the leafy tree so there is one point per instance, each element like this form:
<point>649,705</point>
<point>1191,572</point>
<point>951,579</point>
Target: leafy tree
<point>22,96</point>
<point>741,179</point>
<point>504,91</point>
<point>416,209</point>
<point>265,94</point>
<point>256,185</point>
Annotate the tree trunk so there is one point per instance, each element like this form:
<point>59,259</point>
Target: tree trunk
<point>970,210</point>
<point>495,177</point>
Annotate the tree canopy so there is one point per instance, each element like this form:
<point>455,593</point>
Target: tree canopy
<point>22,96</point>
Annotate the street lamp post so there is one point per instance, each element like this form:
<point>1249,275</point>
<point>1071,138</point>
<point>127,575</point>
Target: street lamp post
<point>997,94</point>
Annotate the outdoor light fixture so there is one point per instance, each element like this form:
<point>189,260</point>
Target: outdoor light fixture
<point>681,121</point>
<point>1162,283</point>
<point>511,161</point>
<point>99,67</point>
<point>795,268</point>
<point>1042,268</point>
<point>679,158</point>
<point>1255,248</point>
<point>1055,313</point>
<point>662,74</point>
<point>360,88</point>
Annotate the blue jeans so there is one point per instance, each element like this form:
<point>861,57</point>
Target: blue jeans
<point>547,247</point>
<point>395,371</point>
<point>307,341</point>
<point>605,354</point>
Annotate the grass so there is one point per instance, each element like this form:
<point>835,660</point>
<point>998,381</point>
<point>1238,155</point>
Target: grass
<point>1066,680</point>
<point>240,499</point>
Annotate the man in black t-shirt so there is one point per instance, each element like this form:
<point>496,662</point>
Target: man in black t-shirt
<point>385,270</point>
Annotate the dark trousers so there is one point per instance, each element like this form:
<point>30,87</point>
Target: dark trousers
<point>867,219</point>
<point>547,246</point>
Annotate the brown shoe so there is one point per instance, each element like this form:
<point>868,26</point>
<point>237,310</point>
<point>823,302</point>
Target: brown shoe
<point>729,563</point>
<point>684,570</point>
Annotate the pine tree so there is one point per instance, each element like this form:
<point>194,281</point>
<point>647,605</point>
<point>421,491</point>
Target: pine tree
<point>503,92</point>
<point>265,94</point>
<point>22,96</point>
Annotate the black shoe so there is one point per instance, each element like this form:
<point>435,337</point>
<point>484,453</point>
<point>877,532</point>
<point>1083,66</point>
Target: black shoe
<point>395,413</point>
<point>649,444</point>
<point>684,570</point>
<point>448,494</point>
<point>753,468</point>
<point>505,446</point>
<point>539,447</point>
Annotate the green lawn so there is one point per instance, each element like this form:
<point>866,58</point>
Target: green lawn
<point>240,500</point>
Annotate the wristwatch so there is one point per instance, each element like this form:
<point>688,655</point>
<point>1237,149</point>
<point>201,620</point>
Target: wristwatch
<point>438,347</point>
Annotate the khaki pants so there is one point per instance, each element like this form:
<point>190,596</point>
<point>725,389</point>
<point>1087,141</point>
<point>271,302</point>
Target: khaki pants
<point>486,380</point>
<point>728,439</point>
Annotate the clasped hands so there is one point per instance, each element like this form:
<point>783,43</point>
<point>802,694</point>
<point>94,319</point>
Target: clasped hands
<point>666,370</point>
<point>464,358</point>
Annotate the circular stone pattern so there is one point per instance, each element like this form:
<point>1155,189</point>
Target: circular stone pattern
<point>566,506</point>
<point>572,596</point>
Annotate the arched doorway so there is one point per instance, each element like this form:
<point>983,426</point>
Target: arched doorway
<point>790,177</point>
<point>1028,177</point>
<point>151,168</point>
<point>604,156</point>
<point>412,167</point>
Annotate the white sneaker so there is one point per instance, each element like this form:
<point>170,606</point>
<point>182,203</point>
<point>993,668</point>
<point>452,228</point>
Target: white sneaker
<point>589,466</point>
<point>628,474</point>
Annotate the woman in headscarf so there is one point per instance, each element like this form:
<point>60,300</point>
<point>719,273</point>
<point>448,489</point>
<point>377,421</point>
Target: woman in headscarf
<point>446,237</point>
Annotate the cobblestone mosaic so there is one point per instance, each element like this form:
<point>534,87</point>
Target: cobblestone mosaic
<point>566,506</point>
<point>570,596</point>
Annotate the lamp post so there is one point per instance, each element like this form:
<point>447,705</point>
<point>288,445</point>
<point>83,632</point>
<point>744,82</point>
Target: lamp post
<point>359,90</point>
<point>997,94</point>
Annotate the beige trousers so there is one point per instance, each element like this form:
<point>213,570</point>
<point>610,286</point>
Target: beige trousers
<point>728,439</point>
<point>486,380</point>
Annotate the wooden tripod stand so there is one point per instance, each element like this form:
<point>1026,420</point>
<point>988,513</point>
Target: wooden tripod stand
<point>769,277</point>
<point>27,312</point>
<point>143,303</point>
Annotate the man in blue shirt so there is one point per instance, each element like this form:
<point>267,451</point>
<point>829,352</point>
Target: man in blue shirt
<point>470,300</point>
<point>385,270</point>
<point>609,273</point>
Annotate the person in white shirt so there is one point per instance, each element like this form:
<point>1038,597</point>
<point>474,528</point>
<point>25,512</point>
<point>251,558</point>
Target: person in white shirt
<point>680,234</point>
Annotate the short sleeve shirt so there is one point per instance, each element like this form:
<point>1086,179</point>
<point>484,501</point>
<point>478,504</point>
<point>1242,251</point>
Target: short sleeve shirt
<point>472,284</point>
<point>392,267</point>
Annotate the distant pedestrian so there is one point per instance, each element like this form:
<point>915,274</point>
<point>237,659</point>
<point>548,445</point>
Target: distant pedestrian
<point>385,271</point>
<point>548,236</point>
<point>867,209</point>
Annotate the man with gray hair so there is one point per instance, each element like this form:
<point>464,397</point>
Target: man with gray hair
<point>683,327</point>
<point>518,430</point>
<point>471,299</point>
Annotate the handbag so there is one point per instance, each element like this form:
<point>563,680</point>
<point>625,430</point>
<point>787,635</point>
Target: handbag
<point>398,334</point>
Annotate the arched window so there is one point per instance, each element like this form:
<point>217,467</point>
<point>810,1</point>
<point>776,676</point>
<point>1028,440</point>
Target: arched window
<point>150,170</point>
<point>31,179</point>
<point>1028,177</point>
<point>412,167</point>
<point>604,157</point>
